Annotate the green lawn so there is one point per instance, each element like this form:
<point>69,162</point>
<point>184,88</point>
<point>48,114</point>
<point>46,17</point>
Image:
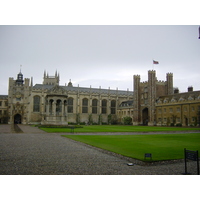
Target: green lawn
<point>117,128</point>
<point>161,146</point>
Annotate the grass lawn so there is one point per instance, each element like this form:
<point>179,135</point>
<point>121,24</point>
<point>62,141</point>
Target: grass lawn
<point>162,146</point>
<point>117,128</point>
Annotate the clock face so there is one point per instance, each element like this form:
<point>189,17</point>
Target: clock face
<point>18,95</point>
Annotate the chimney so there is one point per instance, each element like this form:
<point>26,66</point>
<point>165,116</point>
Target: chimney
<point>190,89</point>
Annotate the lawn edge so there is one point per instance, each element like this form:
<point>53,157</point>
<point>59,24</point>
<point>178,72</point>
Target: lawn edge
<point>129,159</point>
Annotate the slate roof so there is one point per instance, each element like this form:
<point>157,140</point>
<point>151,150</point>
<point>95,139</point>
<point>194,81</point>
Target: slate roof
<point>3,96</point>
<point>193,95</point>
<point>83,89</point>
<point>126,103</point>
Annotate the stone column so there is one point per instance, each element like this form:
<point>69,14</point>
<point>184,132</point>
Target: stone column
<point>54,107</point>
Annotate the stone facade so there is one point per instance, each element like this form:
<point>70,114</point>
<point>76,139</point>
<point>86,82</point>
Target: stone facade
<point>3,109</point>
<point>158,103</point>
<point>153,102</point>
<point>179,109</point>
<point>50,103</point>
<point>146,94</point>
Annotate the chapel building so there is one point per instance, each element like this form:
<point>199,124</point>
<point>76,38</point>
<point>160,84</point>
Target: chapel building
<point>51,103</point>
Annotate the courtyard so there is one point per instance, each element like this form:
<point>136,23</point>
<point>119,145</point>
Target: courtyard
<point>35,152</point>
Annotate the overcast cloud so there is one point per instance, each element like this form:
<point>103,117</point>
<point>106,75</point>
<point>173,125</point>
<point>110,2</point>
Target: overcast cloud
<point>106,56</point>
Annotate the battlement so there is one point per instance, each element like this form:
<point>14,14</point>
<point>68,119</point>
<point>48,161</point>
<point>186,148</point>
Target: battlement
<point>161,82</point>
<point>152,71</point>
<point>169,74</point>
<point>136,76</point>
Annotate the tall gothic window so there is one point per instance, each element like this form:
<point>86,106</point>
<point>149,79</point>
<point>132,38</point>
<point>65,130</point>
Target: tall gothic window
<point>94,106</point>
<point>70,105</point>
<point>113,107</point>
<point>104,106</point>
<point>85,105</point>
<point>51,106</point>
<point>36,104</point>
<point>58,106</point>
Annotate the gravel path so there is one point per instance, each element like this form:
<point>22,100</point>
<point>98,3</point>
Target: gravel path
<point>35,152</point>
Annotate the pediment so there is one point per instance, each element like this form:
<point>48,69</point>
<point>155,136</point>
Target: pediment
<point>57,90</point>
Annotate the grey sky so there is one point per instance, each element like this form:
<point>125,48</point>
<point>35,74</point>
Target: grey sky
<point>106,56</point>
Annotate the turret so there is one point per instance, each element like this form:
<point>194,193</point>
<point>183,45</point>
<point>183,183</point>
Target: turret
<point>169,83</point>
<point>19,80</point>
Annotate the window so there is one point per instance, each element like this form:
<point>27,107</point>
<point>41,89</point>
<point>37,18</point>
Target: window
<point>70,105</point>
<point>113,107</point>
<point>178,109</point>
<point>104,106</point>
<point>0,103</point>
<point>171,110</point>
<point>85,105</point>
<point>193,119</point>
<point>94,106</point>
<point>51,106</point>
<point>36,104</point>
<point>58,106</point>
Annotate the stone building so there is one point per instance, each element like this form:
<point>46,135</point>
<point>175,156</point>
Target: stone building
<point>146,95</point>
<point>153,102</point>
<point>179,108</point>
<point>3,109</point>
<point>50,103</point>
<point>158,103</point>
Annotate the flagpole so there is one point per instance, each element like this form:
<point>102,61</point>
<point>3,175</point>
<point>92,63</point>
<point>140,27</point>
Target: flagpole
<point>153,63</point>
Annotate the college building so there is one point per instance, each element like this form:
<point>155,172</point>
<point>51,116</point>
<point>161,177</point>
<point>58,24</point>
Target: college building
<point>152,102</point>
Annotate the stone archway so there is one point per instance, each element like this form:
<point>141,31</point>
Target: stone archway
<point>17,119</point>
<point>145,116</point>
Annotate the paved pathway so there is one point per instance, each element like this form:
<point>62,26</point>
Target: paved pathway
<point>37,152</point>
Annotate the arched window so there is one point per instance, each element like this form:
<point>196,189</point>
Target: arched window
<point>104,106</point>
<point>94,106</point>
<point>58,106</point>
<point>70,105</point>
<point>36,104</point>
<point>51,106</point>
<point>85,105</point>
<point>113,107</point>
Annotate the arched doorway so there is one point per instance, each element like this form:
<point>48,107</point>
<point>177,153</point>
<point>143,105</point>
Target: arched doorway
<point>17,119</point>
<point>145,116</point>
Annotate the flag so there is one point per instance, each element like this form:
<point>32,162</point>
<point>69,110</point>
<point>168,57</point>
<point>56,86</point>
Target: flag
<point>155,62</point>
<point>199,32</point>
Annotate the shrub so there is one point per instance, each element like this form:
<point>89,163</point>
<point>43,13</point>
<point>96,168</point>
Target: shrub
<point>127,120</point>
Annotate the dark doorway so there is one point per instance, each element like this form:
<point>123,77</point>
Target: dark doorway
<point>145,116</point>
<point>186,121</point>
<point>17,119</point>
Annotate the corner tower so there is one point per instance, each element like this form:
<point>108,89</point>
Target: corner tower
<point>18,99</point>
<point>151,96</point>
<point>169,83</point>
<point>136,99</point>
